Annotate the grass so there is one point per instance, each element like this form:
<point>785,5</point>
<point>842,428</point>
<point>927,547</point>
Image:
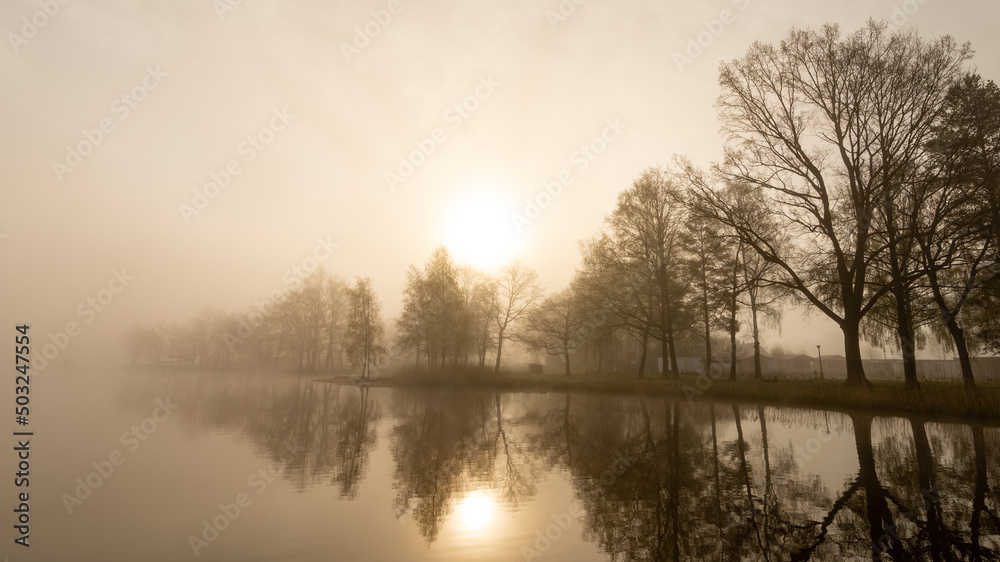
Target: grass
<point>934,399</point>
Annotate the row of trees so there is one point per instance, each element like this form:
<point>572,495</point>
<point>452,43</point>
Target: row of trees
<point>861,177</point>
<point>865,170</point>
<point>456,316</point>
<point>316,325</point>
<point>653,274</point>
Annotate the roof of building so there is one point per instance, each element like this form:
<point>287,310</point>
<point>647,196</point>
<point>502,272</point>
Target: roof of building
<point>797,357</point>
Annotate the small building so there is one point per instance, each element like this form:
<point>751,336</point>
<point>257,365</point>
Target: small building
<point>793,366</point>
<point>831,366</point>
<point>937,369</point>
<point>883,369</point>
<point>745,364</point>
<point>985,368</point>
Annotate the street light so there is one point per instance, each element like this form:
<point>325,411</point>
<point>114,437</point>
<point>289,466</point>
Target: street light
<point>820,355</point>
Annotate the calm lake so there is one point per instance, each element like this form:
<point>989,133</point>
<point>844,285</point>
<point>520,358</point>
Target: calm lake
<point>174,466</point>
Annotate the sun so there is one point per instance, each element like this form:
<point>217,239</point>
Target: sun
<point>475,511</point>
<point>479,231</point>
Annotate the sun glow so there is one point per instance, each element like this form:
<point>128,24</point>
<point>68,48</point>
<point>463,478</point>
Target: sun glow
<point>475,511</point>
<point>479,231</point>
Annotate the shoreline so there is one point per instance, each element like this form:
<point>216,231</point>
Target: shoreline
<point>939,400</point>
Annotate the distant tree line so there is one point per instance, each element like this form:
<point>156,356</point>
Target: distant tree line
<point>316,325</point>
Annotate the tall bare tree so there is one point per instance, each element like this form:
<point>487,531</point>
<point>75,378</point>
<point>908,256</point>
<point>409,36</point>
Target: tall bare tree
<point>707,259</point>
<point>959,208</point>
<point>364,340</point>
<point>517,291</point>
<point>554,325</point>
<point>644,235</point>
<point>434,317</point>
<point>479,297</point>
<point>824,125</point>
<point>628,293</point>
<point>335,297</point>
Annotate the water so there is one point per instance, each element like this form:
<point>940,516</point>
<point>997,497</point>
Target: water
<point>325,472</point>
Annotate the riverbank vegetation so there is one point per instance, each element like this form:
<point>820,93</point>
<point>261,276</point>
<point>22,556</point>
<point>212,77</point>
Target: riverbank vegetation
<point>948,399</point>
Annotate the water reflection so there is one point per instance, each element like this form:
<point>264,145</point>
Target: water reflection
<point>445,444</point>
<point>658,479</point>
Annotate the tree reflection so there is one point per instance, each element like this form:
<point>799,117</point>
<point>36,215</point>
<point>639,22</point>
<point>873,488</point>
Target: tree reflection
<point>447,444</point>
<point>658,479</point>
<point>316,433</point>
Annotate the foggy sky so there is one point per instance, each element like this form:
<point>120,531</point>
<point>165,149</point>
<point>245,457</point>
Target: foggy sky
<point>219,79</point>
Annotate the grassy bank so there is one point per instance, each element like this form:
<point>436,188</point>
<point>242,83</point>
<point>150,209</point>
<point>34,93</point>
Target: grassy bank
<point>934,399</point>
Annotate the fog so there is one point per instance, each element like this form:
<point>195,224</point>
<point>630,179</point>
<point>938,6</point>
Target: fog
<point>330,122</point>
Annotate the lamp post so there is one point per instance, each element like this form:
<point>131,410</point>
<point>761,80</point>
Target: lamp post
<point>820,355</point>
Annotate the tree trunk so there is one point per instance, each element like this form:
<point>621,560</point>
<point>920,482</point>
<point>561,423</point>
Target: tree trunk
<point>667,328</point>
<point>642,357</point>
<point>732,351</point>
<point>733,309</point>
<point>758,372</point>
<point>566,356</point>
<point>900,292</point>
<point>674,371</point>
<point>904,330</point>
<point>496,368</point>
<point>664,346</point>
<point>962,348</point>
<point>708,336</point>
<point>852,353</point>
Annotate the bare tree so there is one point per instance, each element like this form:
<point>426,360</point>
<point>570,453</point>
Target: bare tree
<point>412,326</point>
<point>627,292</point>
<point>762,297</point>
<point>555,324</point>
<point>516,291</point>
<point>434,315</point>
<point>644,242</point>
<point>335,297</point>
<point>481,308</point>
<point>364,340</point>
<point>709,270</point>
<point>960,206</point>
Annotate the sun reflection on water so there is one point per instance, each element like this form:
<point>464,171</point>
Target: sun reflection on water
<point>475,512</point>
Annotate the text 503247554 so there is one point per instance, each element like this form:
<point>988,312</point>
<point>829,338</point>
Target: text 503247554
<point>22,399</point>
